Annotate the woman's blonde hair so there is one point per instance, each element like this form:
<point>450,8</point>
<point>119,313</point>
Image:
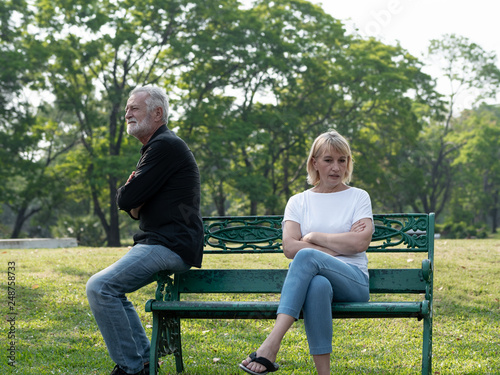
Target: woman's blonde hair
<point>336,142</point>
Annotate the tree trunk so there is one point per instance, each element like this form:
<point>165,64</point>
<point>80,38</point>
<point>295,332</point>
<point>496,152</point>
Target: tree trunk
<point>18,224</point>
<point>98,212</point>
<point>494,212</point>
<point>253,207</point>
<point>113,234</point>
<point>220,200</point>
<point>115,140</point>
<point>21,218</point>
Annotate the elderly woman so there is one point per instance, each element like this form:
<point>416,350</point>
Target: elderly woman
<point>326,231</point>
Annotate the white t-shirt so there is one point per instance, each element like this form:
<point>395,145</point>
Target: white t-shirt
<point>331,213</point>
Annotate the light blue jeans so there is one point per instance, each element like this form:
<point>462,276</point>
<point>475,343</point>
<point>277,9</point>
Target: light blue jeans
<point>120,326</point>
<point>313,281</point>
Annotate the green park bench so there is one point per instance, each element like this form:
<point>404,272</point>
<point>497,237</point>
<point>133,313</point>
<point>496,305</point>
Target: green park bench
<point>394,233</point>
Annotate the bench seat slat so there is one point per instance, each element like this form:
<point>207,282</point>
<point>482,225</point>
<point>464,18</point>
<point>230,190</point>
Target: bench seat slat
<point>267,310</point>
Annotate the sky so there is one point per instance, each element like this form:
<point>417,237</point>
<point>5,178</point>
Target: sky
<point>414,23</point>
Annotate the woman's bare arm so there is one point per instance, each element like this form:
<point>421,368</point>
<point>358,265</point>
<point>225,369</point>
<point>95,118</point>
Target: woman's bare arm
<point>353,242</point>
<point>292,241</point>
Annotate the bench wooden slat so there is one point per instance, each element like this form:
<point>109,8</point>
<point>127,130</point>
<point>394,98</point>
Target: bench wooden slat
<point>267,310</point>
<point>230,281</point>
<point>397,281</point>
<point>271,281</point>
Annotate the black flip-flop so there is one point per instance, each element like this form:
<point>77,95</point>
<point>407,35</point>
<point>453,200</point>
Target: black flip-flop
<point>270,367</point>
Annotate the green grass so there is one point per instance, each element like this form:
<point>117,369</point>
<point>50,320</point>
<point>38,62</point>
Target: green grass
<point>56,333</point>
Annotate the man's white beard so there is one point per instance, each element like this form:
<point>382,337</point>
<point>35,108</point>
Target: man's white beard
<point>138,129</point>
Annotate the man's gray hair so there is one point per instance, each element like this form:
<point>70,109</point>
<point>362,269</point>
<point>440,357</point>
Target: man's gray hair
<point>157,98</point>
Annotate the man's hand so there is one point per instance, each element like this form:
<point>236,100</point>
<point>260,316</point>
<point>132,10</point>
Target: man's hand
<point>134,212</point>
<point>130,177</point>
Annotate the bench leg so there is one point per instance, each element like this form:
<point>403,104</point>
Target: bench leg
<point>165,339</point>
<point>155,343</point>
<point>174,341</point>
<point>427,347</point>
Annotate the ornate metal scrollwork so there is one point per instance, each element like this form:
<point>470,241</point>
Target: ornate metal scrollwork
<point>241,234</point>
<point>263,233</point>
<point>392,231</point>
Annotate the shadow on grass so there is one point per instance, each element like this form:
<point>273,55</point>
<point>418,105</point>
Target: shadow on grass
<point>73,271</point>
<point>58,337</point>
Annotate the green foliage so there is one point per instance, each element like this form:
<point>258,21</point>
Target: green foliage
<point>86,230</point>
<point>54,320</point>
<point>14,18</point>
<point>99,50</point>
<point>460,229</point>
<point>478,187</point>
<point>314,77</point>
<point>30,140</point>
<point>467,67</point>
<point>34,143</point>
<point>250,89</point>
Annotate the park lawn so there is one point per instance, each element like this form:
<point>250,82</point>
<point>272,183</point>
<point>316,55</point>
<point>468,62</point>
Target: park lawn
<point>56,332</point>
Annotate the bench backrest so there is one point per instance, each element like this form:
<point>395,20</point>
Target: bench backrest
<point>262,234</point>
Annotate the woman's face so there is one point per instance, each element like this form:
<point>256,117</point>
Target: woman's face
<point>332,168</point>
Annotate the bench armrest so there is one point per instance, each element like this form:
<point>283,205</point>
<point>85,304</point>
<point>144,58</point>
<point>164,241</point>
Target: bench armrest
<point>427,269</point>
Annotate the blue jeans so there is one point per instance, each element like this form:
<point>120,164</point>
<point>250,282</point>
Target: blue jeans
<point>314,280</point>
<point>120,326</point>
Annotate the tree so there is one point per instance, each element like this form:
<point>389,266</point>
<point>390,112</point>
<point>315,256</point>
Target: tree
<point>384,118</point>
<point>12,62</point>
<point>34,184</point>
<point>29,142</point>
<point>99,51</point>
<point>469,70</point>
<point>294,73</point>
<point>250,89</point>
<point>478,190</point>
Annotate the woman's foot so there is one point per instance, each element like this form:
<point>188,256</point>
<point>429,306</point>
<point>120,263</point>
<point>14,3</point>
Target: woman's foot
<point>269,348</point>
<point>253,365</point>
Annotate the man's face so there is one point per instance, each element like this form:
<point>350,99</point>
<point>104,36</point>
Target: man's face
<point>136,114</point>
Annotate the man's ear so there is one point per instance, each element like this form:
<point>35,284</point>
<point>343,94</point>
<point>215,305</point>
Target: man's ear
<point>158,113</point>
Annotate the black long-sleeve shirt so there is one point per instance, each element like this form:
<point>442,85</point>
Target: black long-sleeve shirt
<point>167,184</point>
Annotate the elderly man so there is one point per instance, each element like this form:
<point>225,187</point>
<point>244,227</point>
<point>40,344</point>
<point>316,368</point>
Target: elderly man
<point>163,193</point>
